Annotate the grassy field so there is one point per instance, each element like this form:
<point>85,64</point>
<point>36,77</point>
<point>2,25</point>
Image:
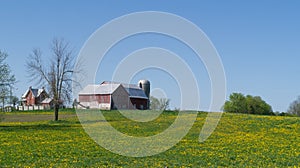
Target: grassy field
<point>32,140</point>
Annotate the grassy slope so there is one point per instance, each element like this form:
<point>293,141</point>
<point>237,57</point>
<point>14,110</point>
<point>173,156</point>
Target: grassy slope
<point>238,141</point>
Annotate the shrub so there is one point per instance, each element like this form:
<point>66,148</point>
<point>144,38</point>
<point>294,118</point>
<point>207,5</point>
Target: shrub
<point>238,103</point>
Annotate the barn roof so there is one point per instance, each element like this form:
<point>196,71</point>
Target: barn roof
<point>136,93</point>
<point>99,89</point>
<point>108,87</point>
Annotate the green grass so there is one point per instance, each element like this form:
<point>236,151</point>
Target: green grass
<point>238,141</point>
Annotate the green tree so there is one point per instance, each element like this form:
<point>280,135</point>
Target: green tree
<point>294,107</point>
<point>7,79</point>
<point>255,105</point>
<point>238,103</point>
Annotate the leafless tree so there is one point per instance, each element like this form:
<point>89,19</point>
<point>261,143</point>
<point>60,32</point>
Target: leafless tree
<point>57,74</point>
<point>7,79</point>
<point>294,108</point>
<point>159,104</point>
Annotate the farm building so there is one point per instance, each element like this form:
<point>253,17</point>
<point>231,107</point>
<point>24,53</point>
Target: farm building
<point>34,97</point>
<point>113,95</point>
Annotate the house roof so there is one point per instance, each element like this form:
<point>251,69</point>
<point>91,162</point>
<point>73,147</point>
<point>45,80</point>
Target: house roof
<point>47,101</point>
<point>35,92</point>
<point>108,87</point>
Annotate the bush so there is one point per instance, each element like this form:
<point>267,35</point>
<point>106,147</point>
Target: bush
<point>238,103</point>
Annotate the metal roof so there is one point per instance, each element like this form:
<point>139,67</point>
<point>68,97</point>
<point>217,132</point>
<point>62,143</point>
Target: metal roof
<point>99,89</point>
<point>125,85</point>
<point>108,87</point>
<point>136,93</point>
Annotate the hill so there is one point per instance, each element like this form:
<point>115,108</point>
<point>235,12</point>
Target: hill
<point>238,141</point>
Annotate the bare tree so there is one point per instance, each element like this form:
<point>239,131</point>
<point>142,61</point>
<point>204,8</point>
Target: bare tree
<point>164,103</point>
<point>154,103</point>
<point>7,79</point>
<point>294,107</point>
<point>159,104</point>
<point>57,74</point>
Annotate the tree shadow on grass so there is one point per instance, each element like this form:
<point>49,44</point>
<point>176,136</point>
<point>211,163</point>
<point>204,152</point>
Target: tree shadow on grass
<point>33,117</point>
<point>51,125</point>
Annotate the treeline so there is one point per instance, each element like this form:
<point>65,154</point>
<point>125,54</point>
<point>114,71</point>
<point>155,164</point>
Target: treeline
<point>239,103</point>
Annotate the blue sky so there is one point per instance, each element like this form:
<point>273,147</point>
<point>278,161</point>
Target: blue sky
<point>258,41</point>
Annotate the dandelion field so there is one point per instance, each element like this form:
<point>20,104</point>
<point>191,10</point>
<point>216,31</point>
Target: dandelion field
<point>238,141</point>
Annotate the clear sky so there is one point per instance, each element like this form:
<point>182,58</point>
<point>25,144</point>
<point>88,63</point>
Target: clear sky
<point>258,41</point>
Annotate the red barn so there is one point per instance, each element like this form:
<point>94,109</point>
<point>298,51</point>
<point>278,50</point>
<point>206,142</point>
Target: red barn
<point>112,95</point>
